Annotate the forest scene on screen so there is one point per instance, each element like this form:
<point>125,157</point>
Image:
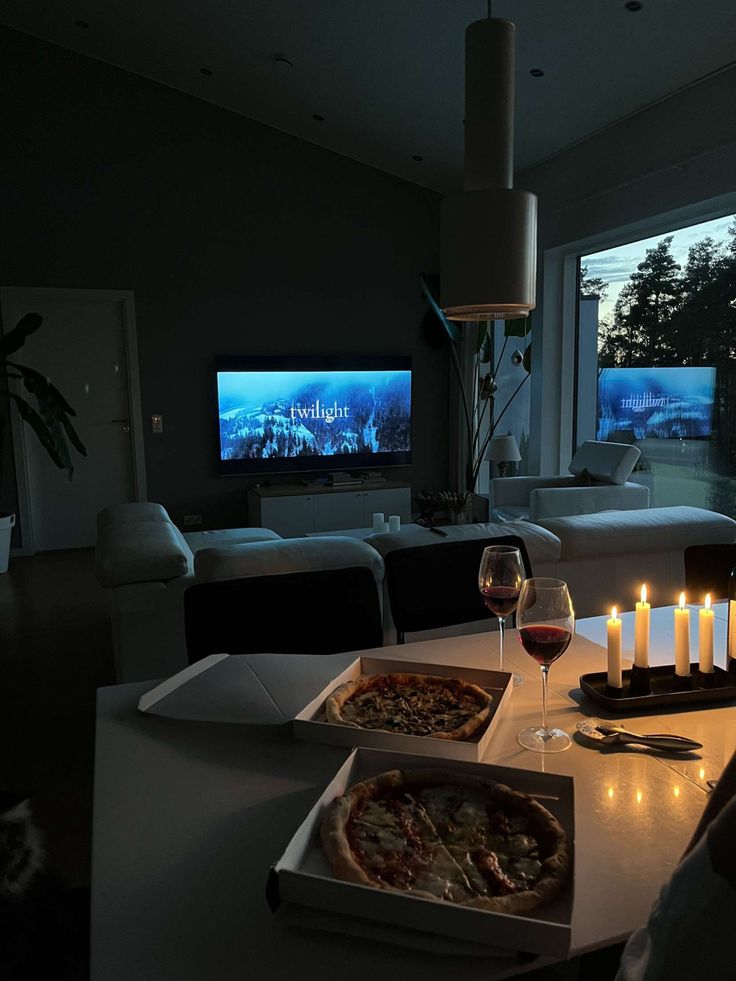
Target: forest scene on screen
<point>281,414</point>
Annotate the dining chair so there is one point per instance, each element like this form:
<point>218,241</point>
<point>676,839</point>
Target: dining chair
<point>318,612</point>
<point>708,568</point>
<point>434,586</point>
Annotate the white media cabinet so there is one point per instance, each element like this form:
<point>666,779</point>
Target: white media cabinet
<point>294,510</point>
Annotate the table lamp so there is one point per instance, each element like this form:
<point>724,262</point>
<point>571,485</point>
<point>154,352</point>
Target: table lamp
<point>503,451</point>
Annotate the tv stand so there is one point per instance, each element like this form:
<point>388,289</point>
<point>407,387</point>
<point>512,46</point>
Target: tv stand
<point>293,510</point>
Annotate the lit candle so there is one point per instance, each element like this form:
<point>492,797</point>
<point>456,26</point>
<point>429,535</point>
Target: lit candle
<point>613,630</point>
<point>705,638</point>
<point>682,639</point>
<point>641,631</point>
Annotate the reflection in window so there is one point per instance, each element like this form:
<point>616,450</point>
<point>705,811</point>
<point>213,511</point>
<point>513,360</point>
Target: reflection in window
<point>665,310</point>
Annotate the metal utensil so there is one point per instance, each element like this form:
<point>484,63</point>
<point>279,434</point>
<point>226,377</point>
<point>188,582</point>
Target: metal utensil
<point>609,735</point>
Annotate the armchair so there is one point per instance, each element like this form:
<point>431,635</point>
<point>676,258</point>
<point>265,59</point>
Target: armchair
<point>598,481</point>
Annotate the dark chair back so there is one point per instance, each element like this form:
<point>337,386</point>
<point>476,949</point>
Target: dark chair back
<point>707,570</point>
<point>433,586</point>
<point>323,612</point>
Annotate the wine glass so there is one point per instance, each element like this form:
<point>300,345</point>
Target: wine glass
<point>545,620</point>
<point>500,577</point>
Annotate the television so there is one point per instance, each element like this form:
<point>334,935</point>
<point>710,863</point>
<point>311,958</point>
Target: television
<point>291,414</point>
<point>656,403</point>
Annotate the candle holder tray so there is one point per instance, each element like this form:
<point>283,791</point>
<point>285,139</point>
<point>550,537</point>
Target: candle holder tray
<point>666,689</point>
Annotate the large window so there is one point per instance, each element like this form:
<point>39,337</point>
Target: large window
<point>657,330</point>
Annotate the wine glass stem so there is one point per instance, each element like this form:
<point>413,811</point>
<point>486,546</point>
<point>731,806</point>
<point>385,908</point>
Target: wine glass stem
<point>545,673</point>
<point>501,624</point>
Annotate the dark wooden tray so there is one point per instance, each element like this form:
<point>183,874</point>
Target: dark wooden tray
<point>665,688</point>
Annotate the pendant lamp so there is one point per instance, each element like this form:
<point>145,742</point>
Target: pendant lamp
<point>489,232</point>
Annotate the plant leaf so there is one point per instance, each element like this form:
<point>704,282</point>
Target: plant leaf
<point>430,286</point>
<point>485,354</point>
<point>527,362</point>
<point>34,380</point>
<point>16,337</point>
<point>42,431</point>
<point>73,435</point>
<point>517,328</point>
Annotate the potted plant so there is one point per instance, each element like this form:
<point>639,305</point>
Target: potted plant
<point>49,419</point>
<point>478,386</point>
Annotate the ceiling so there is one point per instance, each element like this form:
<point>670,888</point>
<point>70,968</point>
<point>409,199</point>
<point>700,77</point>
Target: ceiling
<point>387,75</point>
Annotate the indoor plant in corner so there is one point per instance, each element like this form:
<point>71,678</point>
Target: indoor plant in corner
<point>49,419</point>
<point>476,381</point>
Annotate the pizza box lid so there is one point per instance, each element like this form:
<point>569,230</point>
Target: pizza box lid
<point>311,723</point>
<point>303,876</point>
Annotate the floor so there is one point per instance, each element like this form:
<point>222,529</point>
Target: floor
<point>55,651</point>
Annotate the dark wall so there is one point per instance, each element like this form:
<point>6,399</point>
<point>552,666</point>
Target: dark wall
<point>236,238</point>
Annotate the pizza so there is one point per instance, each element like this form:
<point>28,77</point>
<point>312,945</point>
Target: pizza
<point>411,704</point>
<point>447,836</point>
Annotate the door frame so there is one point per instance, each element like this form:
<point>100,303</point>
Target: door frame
<point>12,294</point>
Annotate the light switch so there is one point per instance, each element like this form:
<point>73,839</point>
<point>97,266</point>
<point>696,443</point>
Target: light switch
<point>157,424</point>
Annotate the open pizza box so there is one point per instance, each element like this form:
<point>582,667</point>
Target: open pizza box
<point>304,877</point>
<point>311,723</point>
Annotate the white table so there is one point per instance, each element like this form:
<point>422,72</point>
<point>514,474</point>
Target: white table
<point>189,816</point>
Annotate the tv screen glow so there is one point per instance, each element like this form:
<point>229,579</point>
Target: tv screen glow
<point>307,414</point>
<point>657,403</point>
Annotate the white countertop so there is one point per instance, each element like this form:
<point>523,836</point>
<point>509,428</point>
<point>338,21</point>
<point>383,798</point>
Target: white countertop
<point>189,816</point>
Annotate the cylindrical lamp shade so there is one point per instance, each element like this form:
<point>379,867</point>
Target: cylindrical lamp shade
<point>489,254</point>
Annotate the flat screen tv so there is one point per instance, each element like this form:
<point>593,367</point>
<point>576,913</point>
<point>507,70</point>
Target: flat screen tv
<point>656,403</point>
<point>290,414</point>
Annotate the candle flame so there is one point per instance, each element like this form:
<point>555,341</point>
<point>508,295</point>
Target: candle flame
<point>707,601</point>
<point>644,593</point>
<point>610,793</point>
<point>639,796</point>
<point>682,601</point>
<point>676,790</point>
<point>701,773</point>
<point>614,612</point>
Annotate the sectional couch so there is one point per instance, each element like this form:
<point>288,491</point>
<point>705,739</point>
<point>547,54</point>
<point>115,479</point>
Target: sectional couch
<point>146,563</point>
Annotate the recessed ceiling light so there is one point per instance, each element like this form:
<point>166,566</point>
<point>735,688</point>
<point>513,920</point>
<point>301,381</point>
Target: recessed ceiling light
<point>415,156</point>
<point>81,23</point>
<point>536,72</point>
<point>317,118</point>
<point>206,71</point>
<point>633,5</point>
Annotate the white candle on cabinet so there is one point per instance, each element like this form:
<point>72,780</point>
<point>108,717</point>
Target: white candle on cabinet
<point>682,639</point>
<point>641,631</point>
<point>705,638</point>
<point>613,633</point>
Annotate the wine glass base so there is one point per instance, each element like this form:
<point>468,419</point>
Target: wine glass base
<point>540,740</point>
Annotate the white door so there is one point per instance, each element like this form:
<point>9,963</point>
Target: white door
<point>86,347</point>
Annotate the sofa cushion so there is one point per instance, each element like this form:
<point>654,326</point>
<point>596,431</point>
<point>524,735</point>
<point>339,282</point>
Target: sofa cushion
<point>286,555</point>
<point>644,530</point>
<point>609,462</point>
<point>140,551</point>
<point>542,545</point>
<point>229,536</point>
<point>136,511</point>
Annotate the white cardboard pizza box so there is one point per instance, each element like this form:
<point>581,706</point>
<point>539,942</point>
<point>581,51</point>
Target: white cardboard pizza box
<point>303,875</point>
<point>311,723</point>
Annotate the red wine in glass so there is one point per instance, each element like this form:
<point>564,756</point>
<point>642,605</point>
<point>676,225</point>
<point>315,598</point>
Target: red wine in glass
<point>500,600</point>
<point>500,576</point>
<point>545,619</point>
<point>545,642</point>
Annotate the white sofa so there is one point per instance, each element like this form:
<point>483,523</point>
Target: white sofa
<point>146,563</point>
<point>598,481</point>
<point>603,557</point>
